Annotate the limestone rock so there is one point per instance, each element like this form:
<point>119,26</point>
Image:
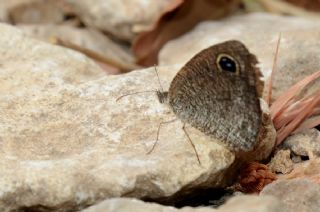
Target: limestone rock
<point>235,204</point>
<point>305,143</point>
<point>297,194</point>
<point>128,205</point>
<point>67,146</point>
<point>299,54</point>
<point>281,162</point>
<point>87,38</point>
<point>253,204</point>
<point>26,63</point>
<point>123,16</point>
<point>66,143</point>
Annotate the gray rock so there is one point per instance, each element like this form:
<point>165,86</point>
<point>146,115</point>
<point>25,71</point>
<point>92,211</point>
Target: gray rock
<point>297,194</point>
<point>299,54</point>
<point>235,204</point>
<point>252,203</point>
<point>304,143</point>
<point>281,162</point>
<point>128,205</point>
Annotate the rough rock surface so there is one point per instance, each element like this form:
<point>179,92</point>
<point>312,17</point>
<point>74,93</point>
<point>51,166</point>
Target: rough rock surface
<point>253,204</point>
<point>297,194</point>
<point>309,169</point>
<point>128,205</point>
<point>281,162</point>
<point>235,204</point>
<point>305,143</point>
<point>299,54</point>
<point>124,17</point>
<point>32,62</point>
<point>66,143</point>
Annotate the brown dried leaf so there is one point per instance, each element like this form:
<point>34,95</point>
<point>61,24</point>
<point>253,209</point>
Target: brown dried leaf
<point>177,20</point>
<point>254,177</point>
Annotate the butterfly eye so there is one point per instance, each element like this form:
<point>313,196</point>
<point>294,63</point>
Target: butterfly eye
<point>227,63</point>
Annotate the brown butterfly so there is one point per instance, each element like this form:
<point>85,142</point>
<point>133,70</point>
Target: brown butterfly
<point>218,93</point>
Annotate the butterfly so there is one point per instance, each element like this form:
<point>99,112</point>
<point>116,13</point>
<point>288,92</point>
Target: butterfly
<point>217,91</point>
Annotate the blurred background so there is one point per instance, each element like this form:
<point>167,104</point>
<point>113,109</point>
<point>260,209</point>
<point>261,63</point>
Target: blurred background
<point>123,35</point>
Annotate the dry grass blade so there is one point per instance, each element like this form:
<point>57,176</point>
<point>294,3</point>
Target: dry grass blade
<point>309,123</point>
<point>293,112</point>
<point>294,123</point>
<point>279,105</point>
<point>269,94</point>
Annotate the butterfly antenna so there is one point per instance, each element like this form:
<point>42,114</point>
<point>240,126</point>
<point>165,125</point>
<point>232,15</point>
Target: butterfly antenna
<point>273,70</point>
<point>128,94</point>
<point>156,70</point>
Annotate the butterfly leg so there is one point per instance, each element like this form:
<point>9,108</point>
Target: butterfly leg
<point>162,95</point>
<point>155,143</point>
<point>192,144</point>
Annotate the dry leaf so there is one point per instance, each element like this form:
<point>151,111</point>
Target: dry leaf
<point>178,19</point>
<point>254,177</point>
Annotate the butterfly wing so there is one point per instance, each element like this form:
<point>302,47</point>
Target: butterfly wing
<point>218,92</point>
